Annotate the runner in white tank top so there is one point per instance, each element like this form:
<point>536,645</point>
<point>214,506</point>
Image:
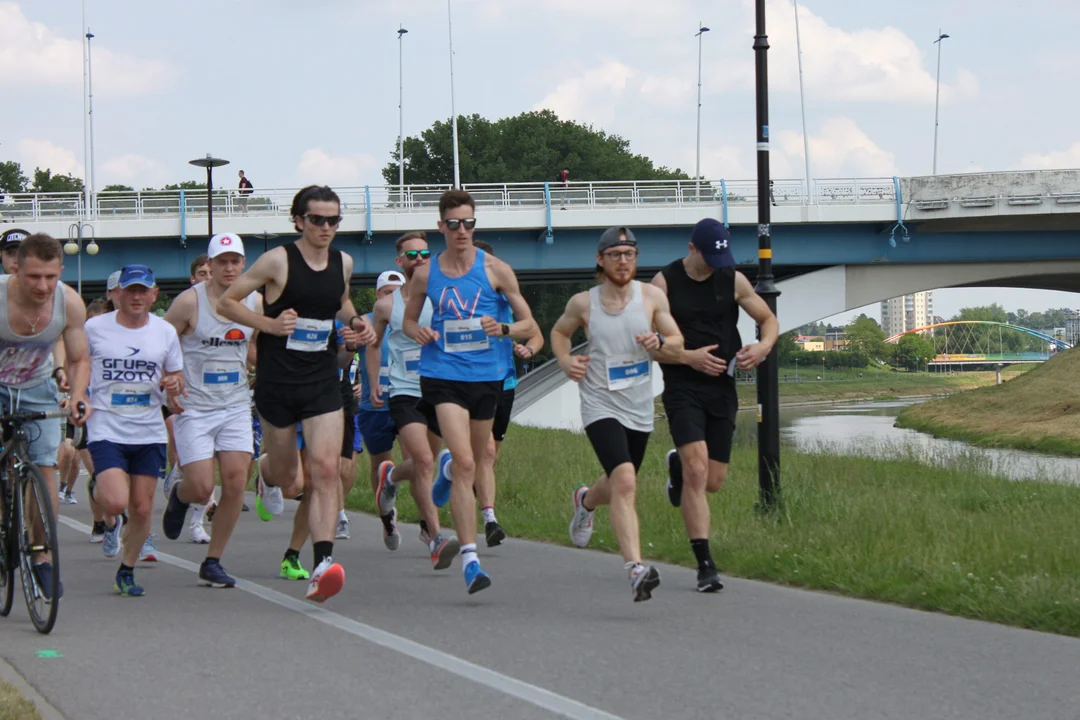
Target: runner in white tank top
<point>620,315</point>
<point>214,419</point>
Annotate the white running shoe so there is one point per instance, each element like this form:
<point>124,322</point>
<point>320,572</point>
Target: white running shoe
<point>326,581</point>
<point>581,526</point>
<point>148,553</point>
<point>197,534</point>
<point>271,499</point>
<point>342,532</point>
<point>69,499</point>
<point>174,476</point>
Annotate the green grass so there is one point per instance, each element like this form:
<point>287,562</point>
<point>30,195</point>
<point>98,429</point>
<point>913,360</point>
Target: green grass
<point>13,706</point>
<point>951,539</point>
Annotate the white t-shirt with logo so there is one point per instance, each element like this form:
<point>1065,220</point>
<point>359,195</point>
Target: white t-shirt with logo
<point>125,378</point>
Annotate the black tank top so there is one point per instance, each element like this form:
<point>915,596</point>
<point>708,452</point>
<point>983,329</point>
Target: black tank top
<point>707,314</point>
<point>310,353</point>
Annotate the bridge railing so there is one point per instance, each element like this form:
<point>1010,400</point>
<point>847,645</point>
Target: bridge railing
<point>378,199</point>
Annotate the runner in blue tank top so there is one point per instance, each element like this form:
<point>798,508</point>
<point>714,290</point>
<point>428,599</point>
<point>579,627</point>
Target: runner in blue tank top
<point>461,371</point>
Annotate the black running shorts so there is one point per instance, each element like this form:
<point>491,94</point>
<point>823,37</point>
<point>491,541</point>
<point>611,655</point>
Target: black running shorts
<point>285,405</point>
<point>405,410</point>
<point>616,444</point>
<point>702,414</point>
<point>479,398</point>
<point>502,414</point>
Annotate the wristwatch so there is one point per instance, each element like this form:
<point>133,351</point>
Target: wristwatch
<point>505,329</point>
<point>660,337</point>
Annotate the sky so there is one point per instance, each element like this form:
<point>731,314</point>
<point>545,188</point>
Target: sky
<point>296,93</point>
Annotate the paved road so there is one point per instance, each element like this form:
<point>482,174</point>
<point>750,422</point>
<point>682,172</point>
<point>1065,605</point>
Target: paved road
<point>556,635</point>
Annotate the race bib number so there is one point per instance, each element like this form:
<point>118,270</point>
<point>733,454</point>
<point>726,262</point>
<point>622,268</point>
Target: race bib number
<point>221,378</point>
<point>129,398</point>
<point>626,371</point>
<point>310,335</point>
<point>384,378</point>
<point>464,336</point>
<point>412,364</point>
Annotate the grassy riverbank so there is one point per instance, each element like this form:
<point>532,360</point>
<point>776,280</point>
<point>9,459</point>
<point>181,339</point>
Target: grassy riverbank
<point>850,384</point>
<point>14,706</point>
<point>945,539</point>
<point>1037,411</point>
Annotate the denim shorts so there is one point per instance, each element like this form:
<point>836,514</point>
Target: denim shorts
<point>44,435</point>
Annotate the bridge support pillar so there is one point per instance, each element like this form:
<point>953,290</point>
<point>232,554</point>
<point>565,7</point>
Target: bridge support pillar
<point>997,370</point>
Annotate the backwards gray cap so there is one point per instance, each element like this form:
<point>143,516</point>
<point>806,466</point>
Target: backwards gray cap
<point>615,236</point>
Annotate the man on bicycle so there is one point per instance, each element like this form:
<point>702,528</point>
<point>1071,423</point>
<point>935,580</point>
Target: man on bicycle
<point>36,310</point>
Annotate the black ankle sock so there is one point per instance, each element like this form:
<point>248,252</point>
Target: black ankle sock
<point>291,554</point>
<point>125,568</point>
<point>209,559</point>
<point>323,550</point>
<point>701,552</point>
<point>423,526</point>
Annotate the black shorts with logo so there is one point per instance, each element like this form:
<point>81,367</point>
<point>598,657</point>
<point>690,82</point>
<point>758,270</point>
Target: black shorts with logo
<point>283,405</point>
<point>479,398</point>
<point>702,412</point>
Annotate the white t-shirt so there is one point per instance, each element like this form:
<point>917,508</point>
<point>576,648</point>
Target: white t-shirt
<point>125,378</point>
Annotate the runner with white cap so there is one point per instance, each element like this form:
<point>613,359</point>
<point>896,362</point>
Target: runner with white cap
<point>213,417</point>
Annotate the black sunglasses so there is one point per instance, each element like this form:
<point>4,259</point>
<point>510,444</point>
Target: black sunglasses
<point>454,223</point>
<point>413,254</point>
<point>320,220</point>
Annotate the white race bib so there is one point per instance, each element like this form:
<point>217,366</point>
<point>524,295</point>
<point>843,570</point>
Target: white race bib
<point>626,371</point>
<point>412,364</point>
<point>221,377</point>
<point>464,336</point>
<point>384,378</point>
<point>310,335</point>
<point>130,398</point>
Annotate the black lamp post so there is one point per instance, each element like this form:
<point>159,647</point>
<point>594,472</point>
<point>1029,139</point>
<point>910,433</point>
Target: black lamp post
<point>209,162</point>
<point>768,390</point>
<point>265,236</point>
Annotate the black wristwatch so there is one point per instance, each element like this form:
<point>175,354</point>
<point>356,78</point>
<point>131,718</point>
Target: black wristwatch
<point>506,330</point>
<point>660,337</point>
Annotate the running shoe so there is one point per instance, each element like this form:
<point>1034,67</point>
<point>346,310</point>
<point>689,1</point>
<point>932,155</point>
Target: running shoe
<point>494,534</point>
<point>475,578</point>
<point>440,490</point>
<point>674,478</point>
<point>244,508</point>
<point>211,574</point>
<point>148,553</point>
<point>269,502</point>
<point>581,525</point>
<point>708,580</point>
<point>342,531</point>
<point>97,533</point>
<point>292,570</point>
<point>643,580</point>
<point>172,520</point>
<point>125,584</point>
<point>43,576</point>
<point>69,498</point>
<point>63,490</point>
<point>444,550</point>
<point>425,536</point>
<point>326,581</point>
<point>110,544</point>
<point>386,490</point>
<point>390,535</point>
<point>210,510</point>
<point>197,534</point>
<point>171,479</point>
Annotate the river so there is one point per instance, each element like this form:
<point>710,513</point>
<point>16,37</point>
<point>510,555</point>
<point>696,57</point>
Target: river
<point>866,428</point>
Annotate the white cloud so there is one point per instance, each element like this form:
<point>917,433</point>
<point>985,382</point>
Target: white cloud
<point>44,154</point>
<point>32,54</point>
<point>590,96</point>
<point>841,149</point>
<point>1053,160</point>
<point>318,166</point>
<point>137,171</point>
<point>669,90</point>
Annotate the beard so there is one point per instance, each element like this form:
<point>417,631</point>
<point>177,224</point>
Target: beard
<point>615,279</point>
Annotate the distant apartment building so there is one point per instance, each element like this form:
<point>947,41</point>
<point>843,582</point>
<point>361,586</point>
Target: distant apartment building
<point>901,314</point>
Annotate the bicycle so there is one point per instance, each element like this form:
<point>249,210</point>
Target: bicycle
<point>27,522</point>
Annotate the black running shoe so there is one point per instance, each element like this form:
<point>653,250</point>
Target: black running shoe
<point>494,534</point>
<point>245,508</point>
<point>172,520</point>
<point>674,478</point>
<point>708,580</point>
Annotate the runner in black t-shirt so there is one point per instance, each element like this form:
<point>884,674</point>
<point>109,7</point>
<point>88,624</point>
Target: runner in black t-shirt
<point>706,292</point>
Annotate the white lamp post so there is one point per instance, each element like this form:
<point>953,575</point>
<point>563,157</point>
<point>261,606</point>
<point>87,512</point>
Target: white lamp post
<point>937,93</point>
<point>697,167</point>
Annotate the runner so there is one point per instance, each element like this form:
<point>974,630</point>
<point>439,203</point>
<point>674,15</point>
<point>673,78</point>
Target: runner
<point>627,322</point>
<point>97,307</point>
<point>37,310</point>
<point>134,354</point>
<point>706,292</point>
<point>212,418</point>
<point>461,369</point>
<point>485,472</point>
<point>306,285</point>
<point>418,435</point>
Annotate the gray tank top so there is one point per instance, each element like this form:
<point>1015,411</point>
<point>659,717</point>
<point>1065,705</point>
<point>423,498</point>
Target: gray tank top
<point>618,381</point>
<point>215,358</point>
<point>26,360</point>
<point>404,353</point>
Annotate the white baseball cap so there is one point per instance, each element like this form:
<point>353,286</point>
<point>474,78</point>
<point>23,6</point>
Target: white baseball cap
<point>390,277</point>
<point>225,242</point>
<point>113,281</point>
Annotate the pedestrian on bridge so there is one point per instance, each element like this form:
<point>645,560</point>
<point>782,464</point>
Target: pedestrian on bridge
<point>246,188</point>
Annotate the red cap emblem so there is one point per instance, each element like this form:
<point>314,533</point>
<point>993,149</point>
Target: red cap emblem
<point>226,240</point>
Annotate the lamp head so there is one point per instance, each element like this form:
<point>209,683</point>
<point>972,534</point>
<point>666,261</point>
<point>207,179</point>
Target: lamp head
<point>71,247</point>
<point>92,248</point>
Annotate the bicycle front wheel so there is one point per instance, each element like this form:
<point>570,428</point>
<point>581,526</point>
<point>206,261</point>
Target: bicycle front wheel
<point>7,557</point>
<point>37,536</point>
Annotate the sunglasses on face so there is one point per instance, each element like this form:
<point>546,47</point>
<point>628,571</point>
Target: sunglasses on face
<point>454,223</point>
<point>320,220</point>
<point>413,254</point>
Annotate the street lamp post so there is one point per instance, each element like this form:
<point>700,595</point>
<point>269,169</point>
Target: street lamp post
<point>802,103</point>
<point>90,103</point>
<point>209,162</point>
<point>265,236</point>
<point>401,116</point>
<point>453,113</point>
<point>86,131</point>
<point>768,388</point>
<point>74,245</point>
<point>937,93</point>
<point>697,167</point>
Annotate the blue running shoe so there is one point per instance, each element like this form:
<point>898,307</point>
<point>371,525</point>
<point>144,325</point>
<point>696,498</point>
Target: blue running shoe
<point>172,520</point>
<point>110,545</point>
<point>125,584</point>
<point>440,491</point>
<point>475,578</point>
<point>43,575</point>
<point>211,574</point>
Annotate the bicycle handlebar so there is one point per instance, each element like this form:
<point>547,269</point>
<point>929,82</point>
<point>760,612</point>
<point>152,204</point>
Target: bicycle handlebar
<point>27,416</point>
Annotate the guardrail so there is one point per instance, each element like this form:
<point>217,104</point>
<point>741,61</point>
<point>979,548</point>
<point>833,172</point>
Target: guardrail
<point>385,199</point>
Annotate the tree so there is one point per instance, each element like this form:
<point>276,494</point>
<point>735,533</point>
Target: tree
<point>46,182</point>
<point>912,351</point>
<point>530,147</point>
<point>117,188</point>
<point>186,185</point>
<point>12,179</point>
<point>866,337</point>
<point>786,345</point>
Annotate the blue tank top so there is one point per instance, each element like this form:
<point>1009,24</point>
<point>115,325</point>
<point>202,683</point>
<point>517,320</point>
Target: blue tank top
<point>384,379</point>
<point>463,351</point>
<point>506,315</point>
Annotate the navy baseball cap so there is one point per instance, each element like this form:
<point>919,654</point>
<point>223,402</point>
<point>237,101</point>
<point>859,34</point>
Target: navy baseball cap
<point>12,238</point>
<point>713,241</point>
<point>136,275</point>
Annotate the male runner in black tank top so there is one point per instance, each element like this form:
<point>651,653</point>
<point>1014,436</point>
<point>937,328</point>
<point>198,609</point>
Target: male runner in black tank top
<point>296,380</point>
<point>706,292</point>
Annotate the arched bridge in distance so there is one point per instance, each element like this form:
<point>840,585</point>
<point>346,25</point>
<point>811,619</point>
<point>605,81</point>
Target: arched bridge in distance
<point>977,342</point>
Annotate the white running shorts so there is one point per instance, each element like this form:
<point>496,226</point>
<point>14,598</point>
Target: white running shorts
<point>199,435</point>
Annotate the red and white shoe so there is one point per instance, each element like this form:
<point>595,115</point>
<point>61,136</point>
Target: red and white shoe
<point>326,581</point>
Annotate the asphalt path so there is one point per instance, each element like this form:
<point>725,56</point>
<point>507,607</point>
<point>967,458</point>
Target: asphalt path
<point>557,634</point>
